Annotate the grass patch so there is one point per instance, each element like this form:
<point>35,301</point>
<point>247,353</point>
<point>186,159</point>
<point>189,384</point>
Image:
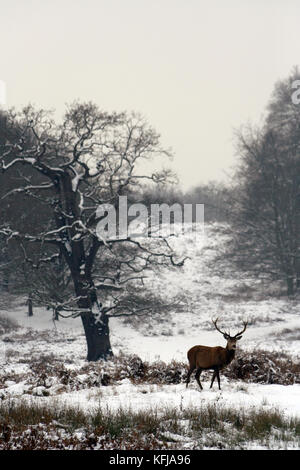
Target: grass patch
<point>213,426</point>
<point>30,426</point>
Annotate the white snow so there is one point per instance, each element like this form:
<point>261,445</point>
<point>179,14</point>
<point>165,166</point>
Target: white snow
<point>203,294</point>
<point>162,397</point>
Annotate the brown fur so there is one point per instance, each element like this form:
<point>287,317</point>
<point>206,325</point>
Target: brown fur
<point>215,358</point>
<point>207,357</point>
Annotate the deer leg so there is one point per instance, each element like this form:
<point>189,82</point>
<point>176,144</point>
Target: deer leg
<point>213,377</point>
<point>189,375</point>
<point>197,377</point>
<point>218,377</point>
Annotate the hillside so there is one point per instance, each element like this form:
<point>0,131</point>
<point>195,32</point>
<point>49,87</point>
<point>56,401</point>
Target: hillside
<point>43,365</point>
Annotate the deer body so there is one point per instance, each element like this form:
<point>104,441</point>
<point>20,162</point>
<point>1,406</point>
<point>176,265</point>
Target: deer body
<point>209,358</point>
<point>215,358</point>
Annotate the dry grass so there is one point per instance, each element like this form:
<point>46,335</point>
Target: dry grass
<point>49,370</point>
<point>265,367</point>
<point>31,427</point>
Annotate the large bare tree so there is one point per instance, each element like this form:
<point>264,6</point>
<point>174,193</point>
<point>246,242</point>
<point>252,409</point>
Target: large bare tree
<point>88,160</point>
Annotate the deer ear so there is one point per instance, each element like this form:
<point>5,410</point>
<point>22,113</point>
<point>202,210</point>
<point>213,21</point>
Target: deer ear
<point>226,336</point>
<point>239,337</point>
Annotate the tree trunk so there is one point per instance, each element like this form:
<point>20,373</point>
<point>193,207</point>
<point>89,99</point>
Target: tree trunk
<point>95,321</point>
<point>29,303</point>
<point>290,286</point>
<point>297,269</point>
<point>97,336</point>
<point>5,282</point>
<point>55,314</point>
<point>95,324</point>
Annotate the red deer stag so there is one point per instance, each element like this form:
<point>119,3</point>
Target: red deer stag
<point>216,358</point>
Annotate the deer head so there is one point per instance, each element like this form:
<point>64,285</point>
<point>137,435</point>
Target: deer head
<point>231,340</point>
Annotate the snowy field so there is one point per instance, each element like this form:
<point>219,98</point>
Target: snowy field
<point>202,294</point>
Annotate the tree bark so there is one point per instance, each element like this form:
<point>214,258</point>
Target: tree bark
<point>298,281</point>
<point>290,286</point>
<point>95,324</point>
<point>6,279</point>
<point>29,304</point>
<point>97,337</point>
<point>55,314</point>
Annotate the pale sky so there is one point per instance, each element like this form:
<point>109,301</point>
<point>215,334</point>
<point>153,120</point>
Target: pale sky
<point>195,69</point>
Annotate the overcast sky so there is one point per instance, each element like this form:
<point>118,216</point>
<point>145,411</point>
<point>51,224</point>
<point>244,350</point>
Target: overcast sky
<point>195,69</point>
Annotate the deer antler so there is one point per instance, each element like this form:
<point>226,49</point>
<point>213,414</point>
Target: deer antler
<point>240,332</point>
<point>218,329</point>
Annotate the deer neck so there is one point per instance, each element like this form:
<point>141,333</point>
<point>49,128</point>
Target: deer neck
<point>230,353</point>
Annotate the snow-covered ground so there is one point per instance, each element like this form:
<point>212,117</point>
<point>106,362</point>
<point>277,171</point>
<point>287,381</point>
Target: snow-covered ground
<point>202,294</point>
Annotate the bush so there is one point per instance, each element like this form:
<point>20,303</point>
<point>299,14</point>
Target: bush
<point>264,367</point>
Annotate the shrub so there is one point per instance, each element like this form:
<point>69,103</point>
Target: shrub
<point>264,367</point>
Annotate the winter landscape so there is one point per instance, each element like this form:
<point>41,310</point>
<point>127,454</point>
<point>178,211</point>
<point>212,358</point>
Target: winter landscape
<point>149,227</point>
<point>142,389</point>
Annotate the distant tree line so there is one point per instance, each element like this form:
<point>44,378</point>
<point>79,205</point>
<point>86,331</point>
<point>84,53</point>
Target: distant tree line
<point>213,195</point>
<point>264,210</point>
<point>22,211</point>
<point>260,207</point>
